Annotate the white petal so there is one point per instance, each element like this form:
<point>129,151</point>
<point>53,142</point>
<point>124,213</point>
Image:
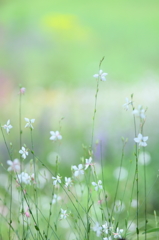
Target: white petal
<point>139,136</point>
<point>26,119</point>
<point>100,72</point>
<point>96,75</point>
<point>9,162</point>
<point>32,120</point>
<point>145,138</point>
<point>8,122</point>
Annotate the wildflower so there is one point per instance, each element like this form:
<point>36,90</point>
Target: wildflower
<point>27,213</point>
<point>55,199</point>
<point>22,90</point>
<point>55,136</point>
<point>119,206</point>
<point>106,227</point>
<point>97,185</point>
<point>134,203</point>
<point>24,152</point>
<point>68,182</point>
<point>13,165</point>
<point>78,170</point>
<point>98,229</point>
<point>24,178</point>
<point>63,214</point>
<point>29,123</point>
<point>118,233</point>
<point>141,140</point>
<point>56,180</point>
<point>140,112</point>
<point>88,163</point>
<point>126,105</point>
<point>101,75</point>
<point>7,126</point>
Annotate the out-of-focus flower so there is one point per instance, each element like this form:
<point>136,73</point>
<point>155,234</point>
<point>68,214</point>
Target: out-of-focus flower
<point>88,163</point>
<point>126,105</point>
<point>22,90</point>
<point>7,126</point>
<point>97,229</point>
<point>97,185</point>
<point>131,226</point>
<point>27,213</point>
<point>134,203</point>
<point>13,165</point>
<point>78,170</point>
<point>101,75</point>
<point>141,140</point>
<point>68,182</point>
<point>144,158</point>
<point>56,180</point>
<point>64,214</point>
<point>55,199</point>
<point>24,152</point>
<point>118,232</point>
<point>120,171</point>
<point>119,206</point>
<point>29,123</point>
<point>55,136</point>
<point>24,178</point>
<point>140,112</point>
<point>107,238</point>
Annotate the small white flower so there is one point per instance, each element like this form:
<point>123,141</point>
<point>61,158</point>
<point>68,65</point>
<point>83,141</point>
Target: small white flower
<point>134,203</point>
<point>55,136</point>
<point>126,105</point>
<point>13,166</point>
<point>29,123</point>
<point>118,233</point>
<point>55,199</point>
<point>140,112</point>
<point>24,152</point>
<point>101,75</point>
<point>97,229</point>
<point>24,178</point>
<point>64,214</point>
<point>106,227</point>
<point>68,182</point>
<point>7,126</point>
<point>141,140</point>
<point>88,163</point>
<point>78,170</point>
<point>22,90</point>
<point>56,180</point>
<point>119,206</point>
<point>97,185</point>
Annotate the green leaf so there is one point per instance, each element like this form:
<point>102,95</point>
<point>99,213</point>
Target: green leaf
<point>151,230</point>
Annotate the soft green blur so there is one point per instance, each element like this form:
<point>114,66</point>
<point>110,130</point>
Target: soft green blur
<point>53,48</point>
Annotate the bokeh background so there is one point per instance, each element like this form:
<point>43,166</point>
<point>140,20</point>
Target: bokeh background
<point>53,48</point>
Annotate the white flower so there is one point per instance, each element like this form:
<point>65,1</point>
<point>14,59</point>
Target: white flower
<point>22,90</point>
<point>98,229</point>
<point>55,136</point>
<point>56,180</point>
<point>126,105</point>
<point>64,214</point>
<point>68,182</point>
<point>106,227</point>
<point>118,233</point>
<point>88,163</point>
<point>7,126</point>
<point>119,206</point>
<point>134,203</point>
<point>24,178</point>
<point>55,199</point>
<point>24,152</point>
<point>97,185</point>
<point>107,238</point>
<point>144,158</point>
<point>101,75</point>
<point>78,170</point>
<point>141,140</point>
<point>140,112</point>
<point>13,166</point>
<point>29,123</point>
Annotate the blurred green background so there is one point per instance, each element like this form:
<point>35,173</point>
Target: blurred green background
<point>53,48</point>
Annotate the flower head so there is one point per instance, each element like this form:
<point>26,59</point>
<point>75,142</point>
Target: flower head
<point>24,178</point>
<point>141,140</point>
<point>126,105</point>
<point>22,90</point>
<point>97,229</point>
<point>88,163</point>
<point>55,136</point>
<point>29,123</point>
<point>68,182</point>
<point>7,126</point>
<point>24,152</point>
<point>56,180</point>
<point>140,112</point>
<point>13,165</point>
<point>118,232</point>
<point>101,75</point>
<point>55,199</point>
<point>78,170</point>
<point>97,185</point>
<point>64,214</point>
